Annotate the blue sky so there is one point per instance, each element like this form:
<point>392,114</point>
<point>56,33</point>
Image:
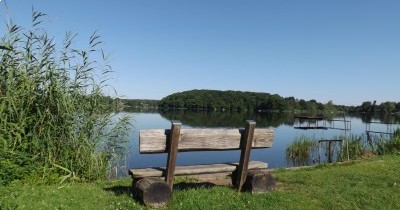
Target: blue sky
<point>347,51</point>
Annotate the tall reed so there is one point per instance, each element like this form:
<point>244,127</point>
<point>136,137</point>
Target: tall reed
<point>302,151</point>
<point>360,146</point>
<point>54,117</point>
<point>357,147</point>
<point>391,145</point>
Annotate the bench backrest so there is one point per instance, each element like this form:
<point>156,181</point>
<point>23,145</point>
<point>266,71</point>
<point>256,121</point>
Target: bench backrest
<point>199,139</point>
<point>177,139</point>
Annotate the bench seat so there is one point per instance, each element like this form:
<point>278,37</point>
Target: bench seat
<point>194,169</point>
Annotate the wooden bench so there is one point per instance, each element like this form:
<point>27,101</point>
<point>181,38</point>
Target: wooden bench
<point>155,192</point>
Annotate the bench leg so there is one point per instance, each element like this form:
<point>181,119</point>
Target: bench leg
<point>172,152</point>
<point>259,181</point>
<point>245,147</point>
<point>152,191</point>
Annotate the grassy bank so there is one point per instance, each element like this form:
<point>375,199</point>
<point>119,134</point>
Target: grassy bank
<point>367,184</point>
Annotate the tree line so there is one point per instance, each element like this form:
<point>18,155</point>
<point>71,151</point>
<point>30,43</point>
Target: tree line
<point>215,100</point>
<point>244,101</point>
<point>388,107</point>
<point>135,104</point>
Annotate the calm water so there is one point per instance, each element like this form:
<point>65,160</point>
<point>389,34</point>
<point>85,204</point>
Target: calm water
<point>282,124</point>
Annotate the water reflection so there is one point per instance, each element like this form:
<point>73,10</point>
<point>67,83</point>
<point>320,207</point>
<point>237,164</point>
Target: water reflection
<point>229,119</point>
<point>284,135</point>
<point>378,117</point>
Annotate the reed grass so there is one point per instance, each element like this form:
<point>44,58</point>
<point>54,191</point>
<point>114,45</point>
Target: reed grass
<point>361,146</point>
<point>356,147</point>
<point>307,151</point>
<point>302,151</point>
<point>55,120</point>
<point>369,145</point>
<point>391,145</point>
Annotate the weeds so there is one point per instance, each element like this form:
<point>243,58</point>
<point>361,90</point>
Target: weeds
<point>302,151</point>
<point>391,145</point>
<point>356,147</point>
<point>307,151</point>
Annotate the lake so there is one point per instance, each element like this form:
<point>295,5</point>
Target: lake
<point>283,125</point>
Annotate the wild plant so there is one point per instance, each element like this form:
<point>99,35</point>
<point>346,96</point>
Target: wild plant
<point>302,151</point>
<point>55,119</point>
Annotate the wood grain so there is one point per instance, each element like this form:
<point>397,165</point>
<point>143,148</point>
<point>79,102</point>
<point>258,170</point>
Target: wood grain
<point>259,181</point>
<point>172,152</point>
<point>154,141</point>
<point>153,192</point>
<point>194,169</point>
<point>245,147</point>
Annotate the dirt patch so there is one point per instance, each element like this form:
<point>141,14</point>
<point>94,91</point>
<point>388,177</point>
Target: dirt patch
<point>367,154</point>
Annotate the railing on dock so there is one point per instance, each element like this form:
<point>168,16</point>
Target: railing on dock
<point>319,122</point>
<point>311,122</point>
<point>390,128</point>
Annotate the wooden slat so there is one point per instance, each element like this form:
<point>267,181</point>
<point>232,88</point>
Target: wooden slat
<point>194,169</point>
<point>210,177</point>
<point>154,141</point>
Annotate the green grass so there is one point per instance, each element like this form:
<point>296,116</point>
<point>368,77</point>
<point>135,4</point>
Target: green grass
<point>363,184</point>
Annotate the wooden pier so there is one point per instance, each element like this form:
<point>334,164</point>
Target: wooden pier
<point>330,142</point>
<point>346,123</point>
<point>312,122</point>
<point>319,122</point>
<point>390,128</point>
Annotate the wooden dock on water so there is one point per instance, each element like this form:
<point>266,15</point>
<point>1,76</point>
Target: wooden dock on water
<point>311,127</point>
<point>331,144</point>
<point>319,122</point>
<point>312,122</point>
<point>390,128</point>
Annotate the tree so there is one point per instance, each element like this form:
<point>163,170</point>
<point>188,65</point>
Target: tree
<point>387,107</point>
<point>365,106</point>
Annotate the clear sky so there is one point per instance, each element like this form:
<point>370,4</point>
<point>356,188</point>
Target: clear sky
<point>347,51</point>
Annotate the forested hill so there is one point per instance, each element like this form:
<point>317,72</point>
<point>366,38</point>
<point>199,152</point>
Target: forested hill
<point>215,100</point>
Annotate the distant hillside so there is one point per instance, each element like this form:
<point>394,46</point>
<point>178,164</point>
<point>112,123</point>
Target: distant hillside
<point>388,107</point>
<point>215,100</point>
<point>129,104</point>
